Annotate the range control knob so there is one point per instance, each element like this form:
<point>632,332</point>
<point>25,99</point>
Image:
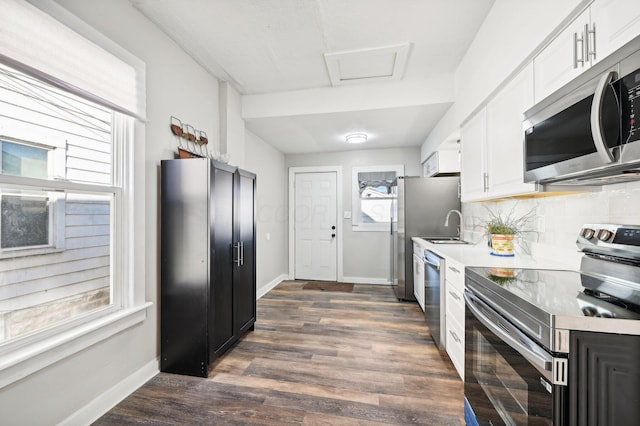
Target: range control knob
<point>588,233</point>
<point>604,234</point>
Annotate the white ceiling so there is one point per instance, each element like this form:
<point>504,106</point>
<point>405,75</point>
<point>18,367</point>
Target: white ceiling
<point>273,52</point>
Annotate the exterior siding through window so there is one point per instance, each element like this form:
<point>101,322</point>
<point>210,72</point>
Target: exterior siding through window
<point>71,274</point>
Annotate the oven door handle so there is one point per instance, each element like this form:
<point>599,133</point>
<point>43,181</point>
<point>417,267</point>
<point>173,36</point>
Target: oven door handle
<point>509,334</point>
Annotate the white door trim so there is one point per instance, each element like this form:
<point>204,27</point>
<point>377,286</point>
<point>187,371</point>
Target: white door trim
<point>339,226</point>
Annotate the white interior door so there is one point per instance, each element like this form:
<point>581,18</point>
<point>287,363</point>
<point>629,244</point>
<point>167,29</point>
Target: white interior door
<point>315,226</point>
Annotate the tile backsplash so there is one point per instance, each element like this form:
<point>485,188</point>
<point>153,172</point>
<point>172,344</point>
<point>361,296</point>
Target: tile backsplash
<point>558,219</point>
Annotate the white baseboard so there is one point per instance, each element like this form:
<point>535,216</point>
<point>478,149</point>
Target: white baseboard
<point>109,399</point>
<point>270,285</point>
<point>364,280</point>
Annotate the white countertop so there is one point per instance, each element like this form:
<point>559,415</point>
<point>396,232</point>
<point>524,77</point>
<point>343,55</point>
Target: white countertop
<point>479,255</point>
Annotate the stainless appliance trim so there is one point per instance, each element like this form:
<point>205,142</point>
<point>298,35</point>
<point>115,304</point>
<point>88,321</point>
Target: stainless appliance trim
<point>434,304</point>
<point>596,111</point>
<point>511,335</point>
<point>529,321</point>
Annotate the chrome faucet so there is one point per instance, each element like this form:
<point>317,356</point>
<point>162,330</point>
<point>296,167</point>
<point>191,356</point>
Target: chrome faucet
<point>446,221</point>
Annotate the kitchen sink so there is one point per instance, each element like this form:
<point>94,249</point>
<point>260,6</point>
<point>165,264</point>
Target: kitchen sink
<point>446,240</point>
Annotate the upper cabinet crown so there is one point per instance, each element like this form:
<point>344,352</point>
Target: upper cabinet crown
<point>602,28</point>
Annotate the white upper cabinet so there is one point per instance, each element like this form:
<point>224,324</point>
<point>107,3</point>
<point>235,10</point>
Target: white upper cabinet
<point>601,29</point>
<point>505,136</point>
<point>473,173</point>
<point>563,59</point>
<point>492,143</point>
<point>615,22</point>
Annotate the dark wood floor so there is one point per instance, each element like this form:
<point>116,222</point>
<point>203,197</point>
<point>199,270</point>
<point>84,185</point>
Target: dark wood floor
<point>315,358</point>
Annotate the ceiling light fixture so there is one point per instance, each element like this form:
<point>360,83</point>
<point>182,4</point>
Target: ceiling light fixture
<point>357,138</point>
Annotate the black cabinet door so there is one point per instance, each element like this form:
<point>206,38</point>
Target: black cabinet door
<point>605,380</point>
<point>245,270</point>
<point>221,294</point>
<point>184,282</point>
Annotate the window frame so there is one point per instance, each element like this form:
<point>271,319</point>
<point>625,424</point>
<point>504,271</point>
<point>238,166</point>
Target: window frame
<point>26,354</point>
<point>356,210</point>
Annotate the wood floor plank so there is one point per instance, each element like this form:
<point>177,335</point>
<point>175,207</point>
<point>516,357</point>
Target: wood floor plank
<point>315,358</point>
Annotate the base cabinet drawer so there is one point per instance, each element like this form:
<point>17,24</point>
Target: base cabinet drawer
<point>455,344</point>
<point>454,274</point>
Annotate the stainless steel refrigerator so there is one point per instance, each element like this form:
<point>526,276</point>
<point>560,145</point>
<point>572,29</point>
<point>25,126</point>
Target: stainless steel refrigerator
<point>419,211</point>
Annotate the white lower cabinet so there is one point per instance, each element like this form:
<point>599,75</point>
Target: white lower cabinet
<point>454,319</point>
<point>455,344</point>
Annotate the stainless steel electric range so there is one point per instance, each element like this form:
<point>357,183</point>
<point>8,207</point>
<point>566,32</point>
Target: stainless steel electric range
<point>553,347</point>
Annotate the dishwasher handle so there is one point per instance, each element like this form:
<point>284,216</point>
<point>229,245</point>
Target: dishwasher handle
<point>429,259</point>
<point>433,264</point>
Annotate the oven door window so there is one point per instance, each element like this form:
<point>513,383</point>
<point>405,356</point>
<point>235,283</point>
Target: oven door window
<point>501,385</point>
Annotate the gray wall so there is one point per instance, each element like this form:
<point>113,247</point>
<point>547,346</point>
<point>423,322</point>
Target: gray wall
<point>365,254</point>
<point>271,210</point>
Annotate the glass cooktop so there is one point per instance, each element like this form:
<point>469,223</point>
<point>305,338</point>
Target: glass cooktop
<point>551,293</point>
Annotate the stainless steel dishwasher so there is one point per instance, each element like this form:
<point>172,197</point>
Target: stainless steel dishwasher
<point>434,312</point>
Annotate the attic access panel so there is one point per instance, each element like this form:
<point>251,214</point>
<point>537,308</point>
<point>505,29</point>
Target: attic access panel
<point>355,66</point>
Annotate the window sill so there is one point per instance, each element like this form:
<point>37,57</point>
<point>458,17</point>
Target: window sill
<point>26,360</point>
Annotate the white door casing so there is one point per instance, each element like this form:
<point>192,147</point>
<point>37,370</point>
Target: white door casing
<point>314,203</point>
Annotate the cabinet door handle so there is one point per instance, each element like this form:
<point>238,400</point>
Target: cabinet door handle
<point>452,269</point>
<point>455,336</point>
<point>577,40</point>
<point>454,295</point>
<point>241,253</point>
<point>485,182</point>
<point>238,248</point>
<point>590,41</point>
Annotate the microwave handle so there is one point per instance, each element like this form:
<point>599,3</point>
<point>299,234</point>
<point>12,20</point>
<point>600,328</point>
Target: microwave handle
<point>596,124</point>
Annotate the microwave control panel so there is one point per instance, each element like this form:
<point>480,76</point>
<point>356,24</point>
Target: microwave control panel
<point>631,106</point>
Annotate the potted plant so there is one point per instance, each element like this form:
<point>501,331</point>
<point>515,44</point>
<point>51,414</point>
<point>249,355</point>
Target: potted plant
<point>502,228</point>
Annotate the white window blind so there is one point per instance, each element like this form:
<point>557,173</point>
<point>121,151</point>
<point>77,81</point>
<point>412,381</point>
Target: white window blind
<point>37,44</point>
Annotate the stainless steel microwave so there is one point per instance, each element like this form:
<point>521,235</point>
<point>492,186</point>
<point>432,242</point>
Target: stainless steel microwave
<point>587,133</point>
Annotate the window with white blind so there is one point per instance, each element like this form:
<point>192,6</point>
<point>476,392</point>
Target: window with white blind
<point>373,193</point>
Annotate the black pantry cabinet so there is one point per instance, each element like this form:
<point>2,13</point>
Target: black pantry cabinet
<point>208,262</point>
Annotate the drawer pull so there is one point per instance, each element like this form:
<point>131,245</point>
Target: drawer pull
<point>455,336</point>
<point>454,269</point>
<point>454,295</point>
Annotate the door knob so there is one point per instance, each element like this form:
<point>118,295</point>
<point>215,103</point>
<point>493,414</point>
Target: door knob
<point>333,227</point>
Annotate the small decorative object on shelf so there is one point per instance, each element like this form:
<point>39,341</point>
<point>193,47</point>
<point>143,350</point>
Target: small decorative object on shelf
<point>196,142</point>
